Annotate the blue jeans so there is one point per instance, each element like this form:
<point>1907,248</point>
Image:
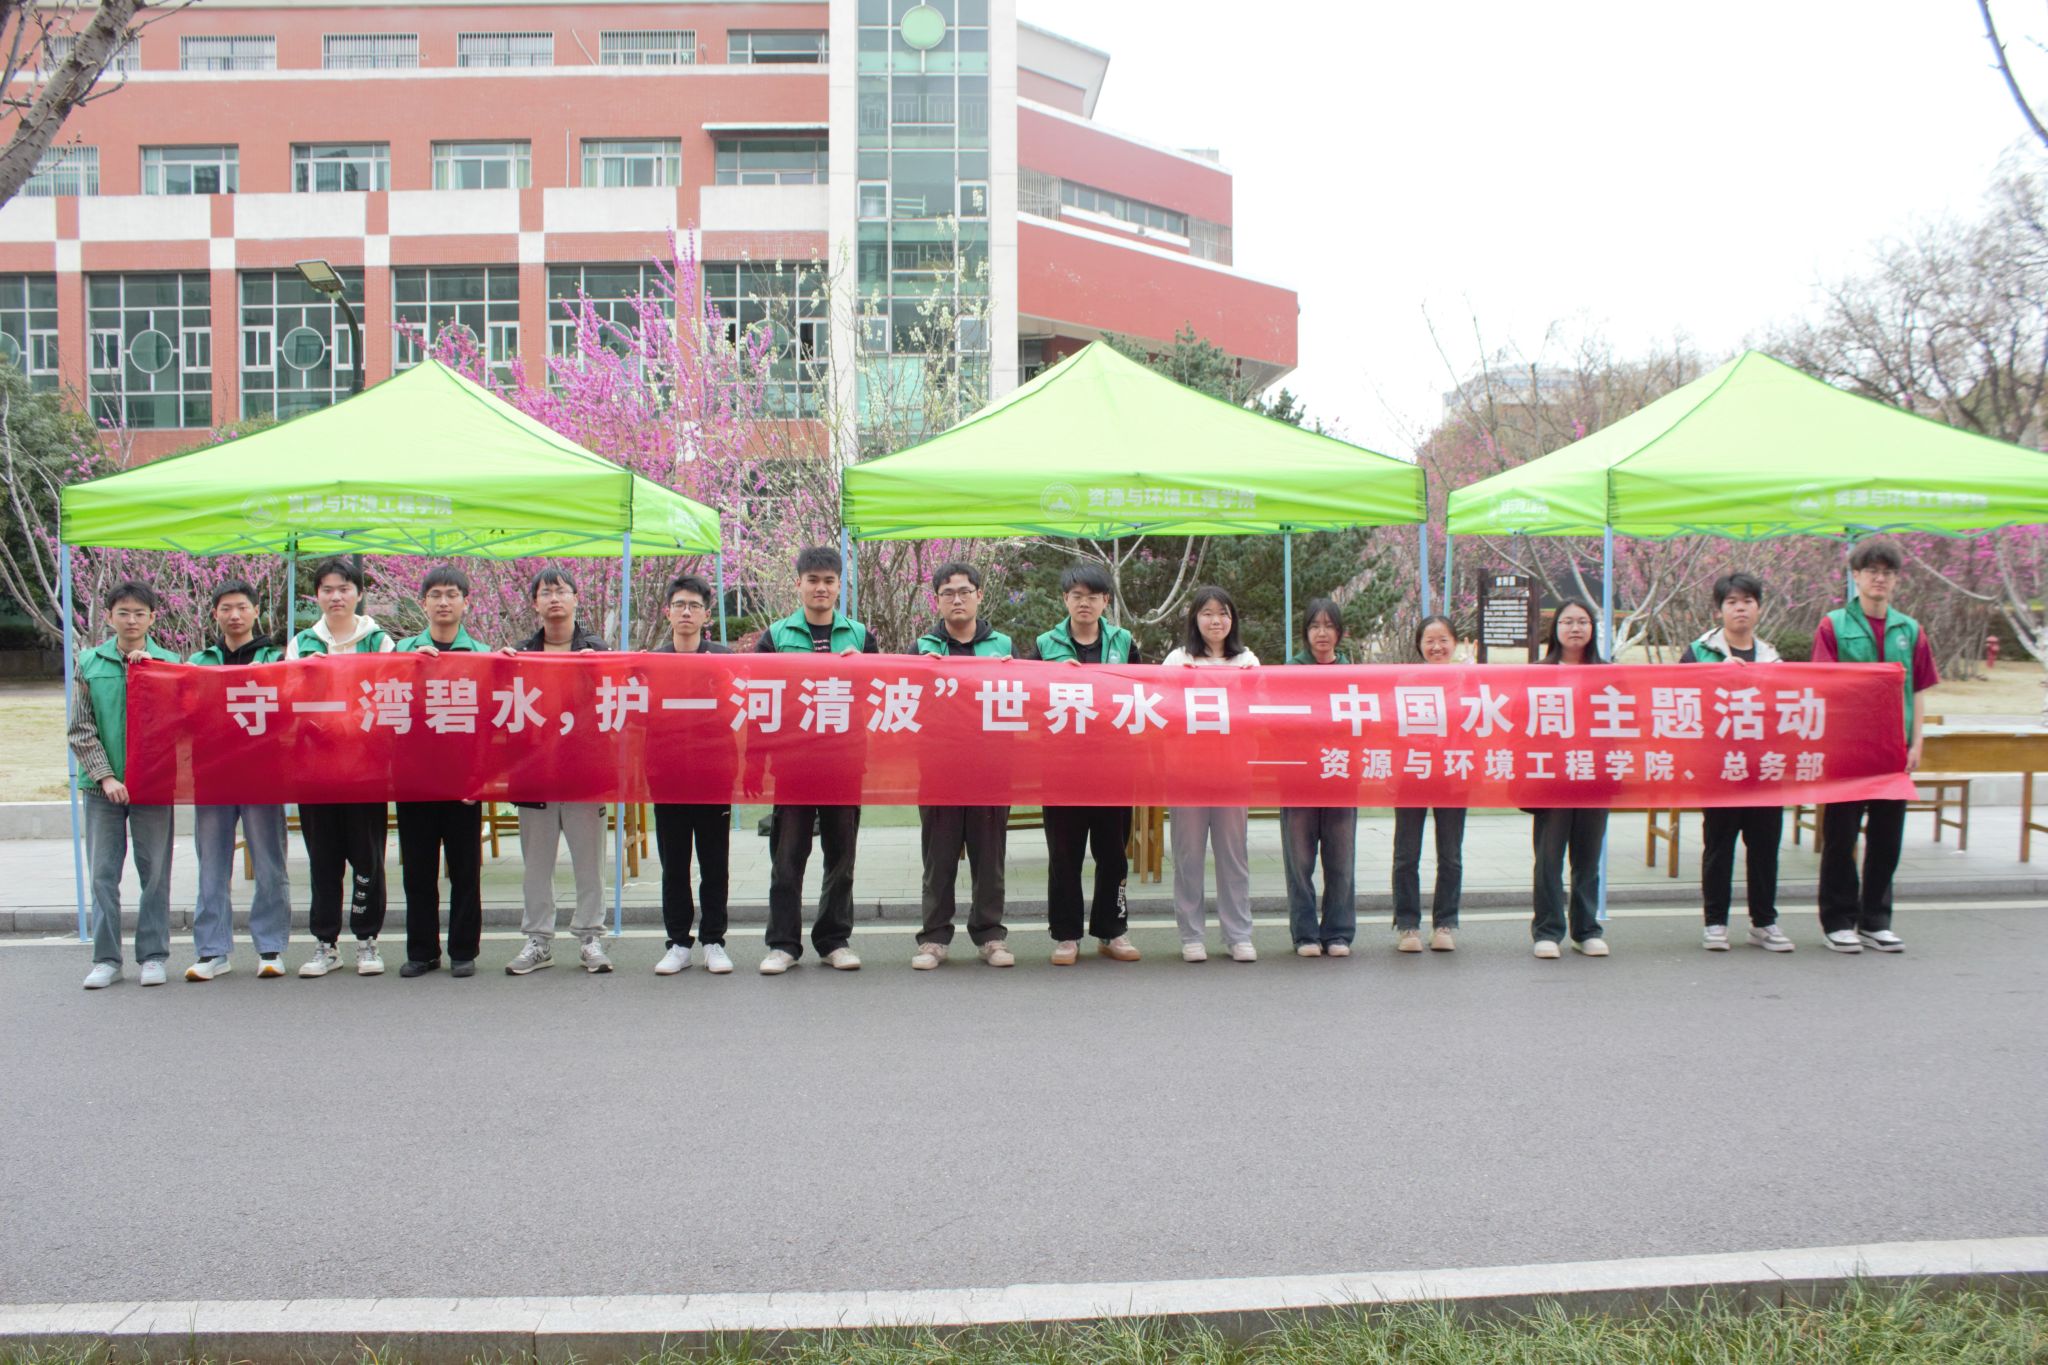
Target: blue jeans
<point>270,909</point>
<point>111,833</point>
<point>1333,830</point>
<point>1450,867</point>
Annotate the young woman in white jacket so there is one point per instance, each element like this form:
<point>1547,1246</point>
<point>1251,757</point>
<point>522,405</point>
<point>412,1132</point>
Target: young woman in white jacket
<point>1212,641</point>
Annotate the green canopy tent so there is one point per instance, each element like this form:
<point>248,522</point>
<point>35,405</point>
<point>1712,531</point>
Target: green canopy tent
<point>1754,450</point>
<point>1101,446</point>
<point>425,463</point>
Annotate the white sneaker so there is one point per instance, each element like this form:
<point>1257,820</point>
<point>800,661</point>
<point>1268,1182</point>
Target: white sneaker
<point>538,953</point>
<point>1546,948</point>
<point>1590,947</point>
<point>1308,950</point>
<point>928,956</point>
<point>270,966</point>
<point>1770,938</point>
<point>1194,952</point>
<point>1844,941</point>
<point>1715,939</point>
<point>777,962</point>
<point>324,960</point>
<point>676,959</point>
<point>594,959</point>
<point>843,960</point>
<point>152,973</point>
<point>368,961</point>
<point>102,975</point>
<point>715,960</point>
<point>1243,952</point>
<point>1337,950</point>
<point>996,953</point>
<point>207,968</point>
<point>1883,941</point>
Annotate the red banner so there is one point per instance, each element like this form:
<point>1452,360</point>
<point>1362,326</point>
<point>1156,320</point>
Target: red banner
<point>892,729</point>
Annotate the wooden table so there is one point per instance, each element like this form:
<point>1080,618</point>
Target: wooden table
<point>2021,749</point>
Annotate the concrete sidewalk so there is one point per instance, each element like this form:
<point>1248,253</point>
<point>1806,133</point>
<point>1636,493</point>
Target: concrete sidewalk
<point>40,897</point>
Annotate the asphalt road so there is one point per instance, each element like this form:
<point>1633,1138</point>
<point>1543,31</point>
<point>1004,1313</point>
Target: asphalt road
<point>565,1134</point>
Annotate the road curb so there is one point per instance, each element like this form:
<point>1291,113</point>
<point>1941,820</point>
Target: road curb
<point>564,1329</point>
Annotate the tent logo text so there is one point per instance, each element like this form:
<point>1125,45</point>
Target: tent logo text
<point>260,511</point>
<point>1059,499</point>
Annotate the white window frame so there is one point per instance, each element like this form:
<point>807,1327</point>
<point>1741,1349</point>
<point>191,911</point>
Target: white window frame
<point>965,186</point>
<point>82,162</point>
<point>369,51</point>
<point>494,49</point>
<point>647,47</point>
<point>739,53</point>
<point>861,200</point>
<point>517,155</point>
<point>669,160</point>
<point>228,163</point>
<point>242,52</point>
<point>379,162</point>
<point>127,59</point>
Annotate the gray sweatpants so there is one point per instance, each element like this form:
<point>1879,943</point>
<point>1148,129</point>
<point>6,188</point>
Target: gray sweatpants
<point>540,841</point>
<point>110,832</point>
<point>1196,829</point>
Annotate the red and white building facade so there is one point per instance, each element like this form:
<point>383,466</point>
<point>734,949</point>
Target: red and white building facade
<point>481,163</point>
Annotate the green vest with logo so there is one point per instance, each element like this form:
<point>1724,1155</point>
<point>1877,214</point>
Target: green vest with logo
<point>1057,644</point>
<point>213,656</point>
<point>105,675</point>
<point>996,646</point>
<point>1854,644</point>
<point>792,634</point>
<point>464,643</point>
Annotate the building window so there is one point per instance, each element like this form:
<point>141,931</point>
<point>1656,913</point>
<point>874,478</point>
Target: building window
<point>874,199</point>
<point>1210,241</point>
<point>780,47</point>
<point>771,161</point>
<point>482,300</point>
<point>647,47</point>
<point>328,167</point>
<point>505,49</point>
<point>151,352</point>
<point>228,52</point>
<point>63,172</point>
<point>28,327</point>
<point>617,164</point>
<point>784,305</point>
<point>1138,214</point>
<point>369,51</point>
<point>614,293</point>
<point>295,343</point>
<point>127,60</point>
<point>189,170</point>
<point>483,165</point>
<point>1038,193</point>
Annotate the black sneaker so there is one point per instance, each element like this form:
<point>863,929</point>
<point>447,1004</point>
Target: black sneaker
<point>464,966</point>
<point>412,969</point>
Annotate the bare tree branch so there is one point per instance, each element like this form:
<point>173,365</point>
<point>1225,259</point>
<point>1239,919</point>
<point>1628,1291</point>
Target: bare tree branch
<point>2005,69</point>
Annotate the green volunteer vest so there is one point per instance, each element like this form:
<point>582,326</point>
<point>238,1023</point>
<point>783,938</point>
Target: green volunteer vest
<point>1854,644</point>
<point>464,643</point>
<point>792,634</point>
<point>105,676</point>
<point>1057,644</point>
<point>996,646</point>
<point>213,656</point>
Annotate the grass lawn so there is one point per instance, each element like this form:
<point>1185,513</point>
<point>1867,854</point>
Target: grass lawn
<point>1905,1327</point>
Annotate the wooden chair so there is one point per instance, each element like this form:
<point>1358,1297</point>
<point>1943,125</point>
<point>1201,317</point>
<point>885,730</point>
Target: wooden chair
<point>1662,824</point>
<point>1146,848</point>
<point>1939,793</point>
<point>1806,818</point>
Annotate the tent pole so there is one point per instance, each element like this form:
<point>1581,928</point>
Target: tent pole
<point>1422,551</point>
<point>291,587</point>
<point>1447,575</point>
<point>70,758</point>
<point>718,569</point>
<point>1607,649</point>
<point>849,594</point>
<point>619,801</point>
<point>1287,588</point>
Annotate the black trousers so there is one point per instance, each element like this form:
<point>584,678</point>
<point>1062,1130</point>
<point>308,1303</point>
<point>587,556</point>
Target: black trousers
<point>1761,829</point>
<point>790,838</point>
<point>344,839</point>
<point>428,831</point>
<point>1844,904</point>
<point>1573,834</point>
<point>678,829</point>
<point>1450,866</point>
<point>985,833</point>
<point>1070,831</point>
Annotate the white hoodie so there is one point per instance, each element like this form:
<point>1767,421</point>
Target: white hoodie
<point>364,625</point>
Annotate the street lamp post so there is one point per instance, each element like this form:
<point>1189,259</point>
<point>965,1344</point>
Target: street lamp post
<point>320,276</point>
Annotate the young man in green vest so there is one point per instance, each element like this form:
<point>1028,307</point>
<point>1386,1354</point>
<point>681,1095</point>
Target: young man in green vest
<point>98,735</point>
<point>817,627</point>
<point>1739,603</point>
<point>213,827</point>
<point>1870,630</point>
<point>344,839</point>
<point>982,830</point>
<point>1084,637</point>
<point>428,831</point>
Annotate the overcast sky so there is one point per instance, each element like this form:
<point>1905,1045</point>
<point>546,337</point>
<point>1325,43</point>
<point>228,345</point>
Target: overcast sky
<point>1639,170</point>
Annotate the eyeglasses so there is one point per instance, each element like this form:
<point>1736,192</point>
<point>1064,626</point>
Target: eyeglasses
<point>686,606</point>
<point>132,614</point>
<point>956,594</point>
<point>555,590</point>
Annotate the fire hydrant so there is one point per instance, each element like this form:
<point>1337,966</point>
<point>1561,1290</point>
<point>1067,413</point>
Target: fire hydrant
<point>1991,651</point>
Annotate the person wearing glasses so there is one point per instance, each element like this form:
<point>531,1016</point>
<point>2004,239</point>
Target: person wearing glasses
<point>1856,913</point>
<point>982,830</point>
<point>681,828</point>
